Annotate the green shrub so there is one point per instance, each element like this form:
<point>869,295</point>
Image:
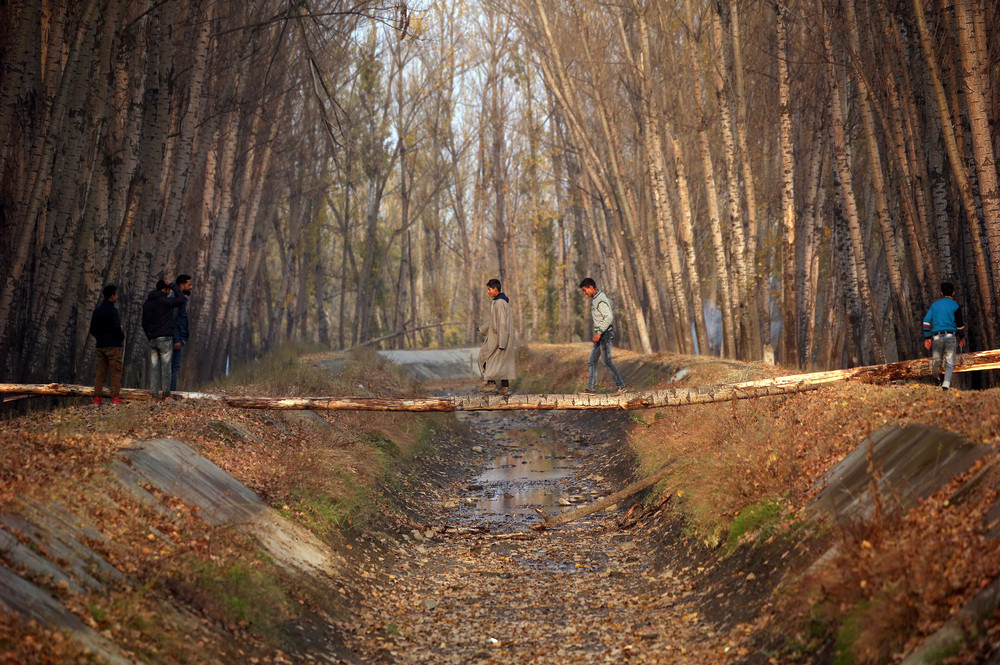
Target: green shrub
<point>761,517</point>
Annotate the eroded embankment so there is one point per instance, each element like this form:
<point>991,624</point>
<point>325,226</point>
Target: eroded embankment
<point>187,533</point>
<point>867,571</point>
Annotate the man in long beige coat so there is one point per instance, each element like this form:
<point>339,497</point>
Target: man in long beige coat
<point>496,357</point>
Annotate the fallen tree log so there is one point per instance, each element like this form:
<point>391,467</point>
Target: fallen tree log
<point>477,402</point>
<point>601,504</point>
<point>782,385</point>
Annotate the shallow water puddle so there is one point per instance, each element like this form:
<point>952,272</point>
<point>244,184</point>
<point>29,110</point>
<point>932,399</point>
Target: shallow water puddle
<point>527,477</point>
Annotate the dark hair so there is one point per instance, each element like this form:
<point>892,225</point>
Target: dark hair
<point>182,278</point>
<point>109,291</point>
<point>160,285</point>
<point>588,281</point>
<point>947,288</point>
<point>493,284</point>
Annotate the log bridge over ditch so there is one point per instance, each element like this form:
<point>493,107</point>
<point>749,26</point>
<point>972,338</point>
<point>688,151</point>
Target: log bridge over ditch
<point>905,370</point>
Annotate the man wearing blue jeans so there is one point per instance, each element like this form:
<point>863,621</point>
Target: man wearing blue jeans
<point>158,324</point>
<point>944,332</point>
<point>604,335</point>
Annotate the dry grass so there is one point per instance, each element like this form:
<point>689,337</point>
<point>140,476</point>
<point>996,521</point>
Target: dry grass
<point>562,368</point>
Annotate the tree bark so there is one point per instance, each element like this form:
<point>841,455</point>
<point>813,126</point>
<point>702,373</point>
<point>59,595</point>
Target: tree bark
<point>687,241</point>
<point>958,169</point>
<point>42,160</point>
<point>759,320</point>
<point>901,310</point>
<point>789,328</point>
<point>843,162</point>
<point>976,78</point>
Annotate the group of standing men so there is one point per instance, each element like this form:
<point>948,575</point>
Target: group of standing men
<point>165,323</point>
<point>496,356</point>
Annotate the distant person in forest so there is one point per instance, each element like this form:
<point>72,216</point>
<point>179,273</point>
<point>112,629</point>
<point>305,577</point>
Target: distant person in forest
<point>944,332</point>
<point>181,288</point>
<point>496,357</point>
<point>604,335</point>
<point>158,324</point>
<point>106,327</point>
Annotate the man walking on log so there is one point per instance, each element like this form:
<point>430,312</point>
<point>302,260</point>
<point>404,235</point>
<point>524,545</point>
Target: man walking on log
<point>106,327</point>
<point>496,357</point>
<point>944,332</point>
<point>604,335</point>
<point>158,324</point>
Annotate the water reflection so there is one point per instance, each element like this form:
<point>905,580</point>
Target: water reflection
<point>526,478</point>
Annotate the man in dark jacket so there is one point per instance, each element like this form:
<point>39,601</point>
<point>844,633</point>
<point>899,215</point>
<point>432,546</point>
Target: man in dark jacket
<point>181,289</point>
<point>106,327</point>
<point>158,324</point>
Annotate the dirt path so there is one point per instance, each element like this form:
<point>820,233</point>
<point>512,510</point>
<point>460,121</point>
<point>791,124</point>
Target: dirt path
<point>477,586</point>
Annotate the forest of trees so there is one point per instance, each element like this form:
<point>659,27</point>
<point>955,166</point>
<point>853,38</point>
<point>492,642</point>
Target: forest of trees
<point>735,173</point>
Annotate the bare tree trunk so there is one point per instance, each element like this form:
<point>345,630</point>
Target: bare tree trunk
<point>565,92</point>
<point>742,315</point>
<point>687,240</point>
<point>901,310</point>
<point>15,71</point>
<point>843,163</point>
<point>807,268</point>
<point>847,274</point>
<point>71,80</point>
<point>722,274</point>
<point>654,159</point>
<point>911,186</point>
<point>971,40</point>
<point>192,113</point>
<point>789,327</point>
<point>759,320</point>
<point>497,173</point>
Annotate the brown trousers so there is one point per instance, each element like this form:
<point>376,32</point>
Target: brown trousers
<point>109,359</point>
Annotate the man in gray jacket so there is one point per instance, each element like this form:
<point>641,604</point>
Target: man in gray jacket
<point>604,335</point>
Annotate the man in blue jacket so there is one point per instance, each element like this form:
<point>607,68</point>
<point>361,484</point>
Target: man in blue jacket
<point>944,332</point>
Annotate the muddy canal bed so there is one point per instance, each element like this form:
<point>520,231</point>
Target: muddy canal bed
<point>477,585</point>
<point>529,465</point>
